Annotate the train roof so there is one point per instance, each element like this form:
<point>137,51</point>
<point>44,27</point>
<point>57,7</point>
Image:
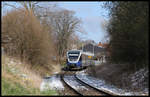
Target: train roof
<point>85,53</point>
<point>74,50</point>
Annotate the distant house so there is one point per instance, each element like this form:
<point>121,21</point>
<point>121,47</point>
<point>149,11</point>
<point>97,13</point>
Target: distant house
<point>104,45</point>
<point>93,48</point>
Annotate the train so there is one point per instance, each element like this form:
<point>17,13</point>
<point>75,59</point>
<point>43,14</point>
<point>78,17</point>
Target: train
<point>79,59</point>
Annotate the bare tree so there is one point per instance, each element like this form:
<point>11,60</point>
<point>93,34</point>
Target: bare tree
<point>28,6</point>
<point>58,22</point>
<point>64,24</point>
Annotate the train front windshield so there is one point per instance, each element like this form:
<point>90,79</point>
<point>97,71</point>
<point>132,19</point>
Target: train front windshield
<point>73,55</point>
<point>73,58</point>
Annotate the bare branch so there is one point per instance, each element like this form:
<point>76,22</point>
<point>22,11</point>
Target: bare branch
<point>10,5</point>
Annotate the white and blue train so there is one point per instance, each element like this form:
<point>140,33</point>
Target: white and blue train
<point>79,59</point>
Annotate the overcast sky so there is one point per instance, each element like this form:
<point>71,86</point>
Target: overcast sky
<point>92,15</point>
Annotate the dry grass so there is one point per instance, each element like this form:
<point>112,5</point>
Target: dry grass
<point>32,80</point>
<point>19,79</point>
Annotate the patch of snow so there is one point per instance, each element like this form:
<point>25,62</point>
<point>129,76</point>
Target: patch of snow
<point>52,82</point>
<point>139,79</point>
<point>23,75</point>
<point>11,62</point>
<point>98,63</point>
<point>55,73</point>
<point>141,73</point>
<point>101,85</point>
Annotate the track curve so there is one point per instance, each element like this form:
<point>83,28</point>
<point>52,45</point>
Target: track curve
<point>80,87</point>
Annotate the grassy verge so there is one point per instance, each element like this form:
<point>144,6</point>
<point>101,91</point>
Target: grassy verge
<point>12,83</point>
<point>14,88</point>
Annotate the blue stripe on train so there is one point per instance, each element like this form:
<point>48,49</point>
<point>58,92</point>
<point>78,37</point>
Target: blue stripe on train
<point>78,64</point>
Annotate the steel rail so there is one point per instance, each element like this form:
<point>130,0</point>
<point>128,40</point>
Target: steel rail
<point>84,84</point>
<point>62,78</point>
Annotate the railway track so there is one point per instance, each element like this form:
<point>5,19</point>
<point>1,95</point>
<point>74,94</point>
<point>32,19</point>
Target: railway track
<point>79,87</point>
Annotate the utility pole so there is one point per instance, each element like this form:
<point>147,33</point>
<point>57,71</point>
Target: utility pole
<point>93,49</point>
<point>82,46</point>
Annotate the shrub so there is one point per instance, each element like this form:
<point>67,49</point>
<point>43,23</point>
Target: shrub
<point>24,37</point>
